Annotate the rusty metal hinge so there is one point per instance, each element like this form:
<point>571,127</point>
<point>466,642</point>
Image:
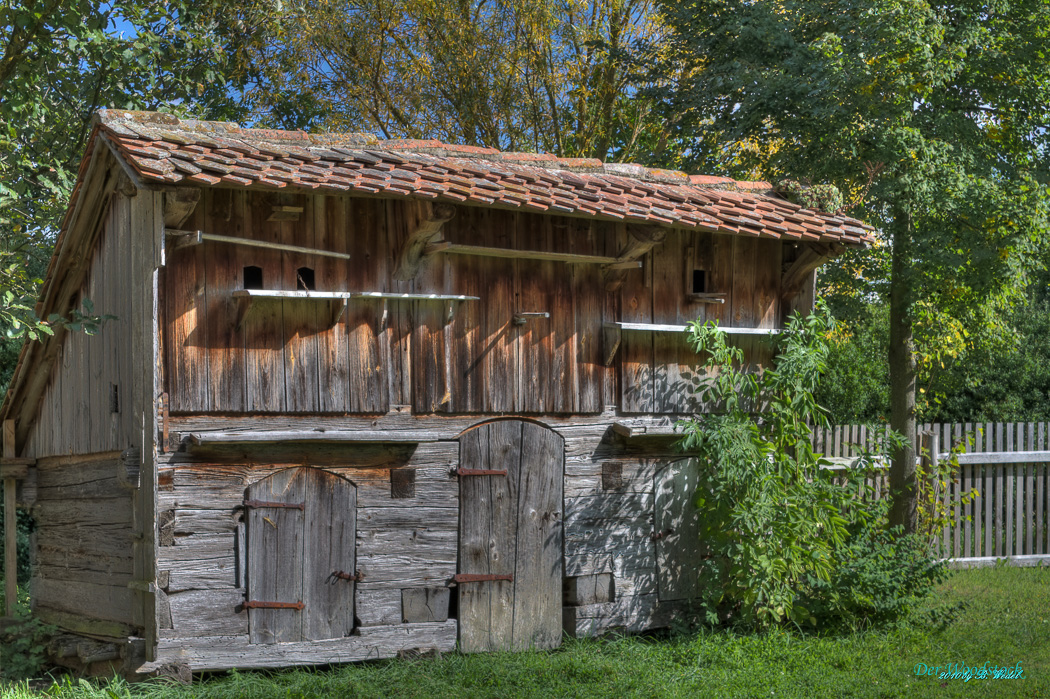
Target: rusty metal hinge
<point>656,536</point>
<point>256,604</point>
<point>478,472</point>
<point>285,505</point>
<point>341,575</point>
<point>480,577</point>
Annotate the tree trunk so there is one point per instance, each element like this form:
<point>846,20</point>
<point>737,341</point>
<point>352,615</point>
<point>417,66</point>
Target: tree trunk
<point>903,369</point>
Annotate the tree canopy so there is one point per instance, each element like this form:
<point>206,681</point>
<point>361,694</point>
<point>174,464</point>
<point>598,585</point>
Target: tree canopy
<point>931,118</point>
<point>529,75</point>
<point>60,61</point>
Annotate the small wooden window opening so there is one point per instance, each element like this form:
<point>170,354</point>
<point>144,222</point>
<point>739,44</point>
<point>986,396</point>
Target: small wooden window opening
<point>253,277</point>
<point>304,279</point>
<point>699,281</point>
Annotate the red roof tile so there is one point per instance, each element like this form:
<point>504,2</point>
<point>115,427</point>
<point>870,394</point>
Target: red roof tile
<point>163,148</point>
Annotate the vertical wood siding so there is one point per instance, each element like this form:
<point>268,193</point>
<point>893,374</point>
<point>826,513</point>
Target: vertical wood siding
<point>92,403</point>
<point>287,357</point>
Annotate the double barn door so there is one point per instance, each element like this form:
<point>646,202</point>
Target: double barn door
<point>510,537</point>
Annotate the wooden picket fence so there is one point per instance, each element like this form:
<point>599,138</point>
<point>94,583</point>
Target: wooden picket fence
<point>1008,464</point>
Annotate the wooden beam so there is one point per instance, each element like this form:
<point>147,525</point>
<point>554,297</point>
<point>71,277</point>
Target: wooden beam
<point>183,238</point>
<point>10,535</point>
<point>347,436</point>
<point>414,251</point>
<point>512,254</point>
<point>667,328</point>
<point>796,273</point>
<point>178,206</point>
<point>18,471</point>
<point>640,240</point>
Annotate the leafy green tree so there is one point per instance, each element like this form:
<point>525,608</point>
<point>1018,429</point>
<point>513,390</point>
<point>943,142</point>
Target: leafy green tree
<point>514,74</point>
<point>788,539</point>
<point>930,116</point>
<point>60,61</point>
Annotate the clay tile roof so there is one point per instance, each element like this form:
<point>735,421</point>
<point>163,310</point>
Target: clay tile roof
<point>163,148</point>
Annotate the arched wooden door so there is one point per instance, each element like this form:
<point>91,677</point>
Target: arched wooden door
<point>677,523</point>
<point>301,531</point>
<point>510,537</point>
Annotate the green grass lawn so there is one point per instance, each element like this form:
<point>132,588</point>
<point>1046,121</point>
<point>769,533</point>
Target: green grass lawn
<point>1004,619</point>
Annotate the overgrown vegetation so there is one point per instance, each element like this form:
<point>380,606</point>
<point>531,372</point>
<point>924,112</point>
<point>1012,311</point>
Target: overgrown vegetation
<point>997,615</point>
<point>23,645</point>
<point>788,539</point>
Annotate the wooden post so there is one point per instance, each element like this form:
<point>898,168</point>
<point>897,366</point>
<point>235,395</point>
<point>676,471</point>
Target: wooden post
<point>10,533</point>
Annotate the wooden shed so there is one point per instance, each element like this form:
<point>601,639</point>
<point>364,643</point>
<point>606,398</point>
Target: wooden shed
<point>367,397</point>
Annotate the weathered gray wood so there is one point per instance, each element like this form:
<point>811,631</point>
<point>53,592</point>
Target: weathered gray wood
<point>200,562</point>
<point>275,555</point>
<point>222,652</point>
<point>329,548</point>
<point>589,589</point>
<point>538,564</point>
<point>640,240</point>
<point>511,525</point>
<point>485,527</point>
<point>378,607</point>
<point>207,613</point>
<point>424,604</point>
<point>294,556</point>
<point>677,526</point>
<point>105,602</point>
<point>83,624</point>
<point>607,505</point>
<point>629,614</point>
<point>317,436</point>
<point>94,512</point>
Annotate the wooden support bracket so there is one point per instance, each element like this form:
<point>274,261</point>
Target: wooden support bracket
<point>523,318</point>
<point>178,206</point>
<point>641,239</point>
<point>414,251</point>
<point>611,337</point>
<point>796,273</point>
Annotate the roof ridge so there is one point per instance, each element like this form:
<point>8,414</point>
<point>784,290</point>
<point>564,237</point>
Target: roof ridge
<point>158,121</point>
<point>163,148</point>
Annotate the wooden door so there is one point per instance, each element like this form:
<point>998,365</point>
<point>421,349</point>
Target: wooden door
<point>510,537</point>
<point>677,525</point>
<point>301,530</point>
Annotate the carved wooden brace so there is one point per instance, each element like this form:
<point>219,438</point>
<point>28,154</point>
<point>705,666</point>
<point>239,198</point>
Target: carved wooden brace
<point>413,253</point>
<point>641,239</point>
<point>796,272</point>
<point>178,206</point>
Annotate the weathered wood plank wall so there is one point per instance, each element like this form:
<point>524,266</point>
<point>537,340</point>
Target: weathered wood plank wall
<point>410,543</point>
<point>287,358</point>
<point>83,545</point>
<point>402,543</point>
<point>88,405</point>
<point>101,397</point>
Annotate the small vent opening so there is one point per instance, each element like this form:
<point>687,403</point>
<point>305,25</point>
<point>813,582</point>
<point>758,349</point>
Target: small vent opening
<point>304,279</point>
<point>253,277</point>
<point>699,281</point>
<point>114,398</point>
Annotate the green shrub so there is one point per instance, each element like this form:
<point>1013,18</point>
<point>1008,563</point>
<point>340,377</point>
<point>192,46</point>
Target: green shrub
<point>788,540</point>
<point>879,575</point>
<point>23,647</point>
